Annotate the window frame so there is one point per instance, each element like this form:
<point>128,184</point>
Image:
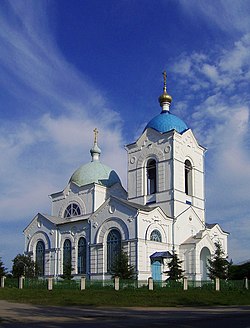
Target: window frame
<point>113,248</point>
<point>72,210</point>
<point>67,254</point>
<point>40,257</point>
<point>82,256</point>
<point>157,233</point>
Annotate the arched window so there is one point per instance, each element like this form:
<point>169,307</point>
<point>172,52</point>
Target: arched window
<point>156,236</point>
<point>40,257</point>
<point>72,210</point>
<point>113,248</point>
<point>66,256</point>
<point>82,251</point>
<point>188,177</point>
<point>151,177</point>
<point>204,256</point>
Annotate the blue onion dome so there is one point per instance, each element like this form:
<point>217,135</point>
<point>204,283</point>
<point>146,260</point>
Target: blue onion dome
<point>165,121</point>
<point>95,171</point>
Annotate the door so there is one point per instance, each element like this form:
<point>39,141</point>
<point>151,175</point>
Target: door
<point>156,270</point>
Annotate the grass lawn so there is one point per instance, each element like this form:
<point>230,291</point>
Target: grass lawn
<point>127,297</point>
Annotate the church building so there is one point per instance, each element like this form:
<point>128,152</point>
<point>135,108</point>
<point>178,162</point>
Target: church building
<point>162,211</point>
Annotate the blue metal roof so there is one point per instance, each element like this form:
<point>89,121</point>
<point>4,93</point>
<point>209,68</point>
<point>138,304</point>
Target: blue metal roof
<point>165,121</point>
<point>165,255</point>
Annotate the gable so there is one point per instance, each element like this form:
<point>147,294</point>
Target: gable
<point>37,222</point>
<point>189,140</point>
<point>187,224</point>
<point>148,137</point>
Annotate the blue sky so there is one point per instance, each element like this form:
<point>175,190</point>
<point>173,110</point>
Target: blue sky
<point>67,67</point>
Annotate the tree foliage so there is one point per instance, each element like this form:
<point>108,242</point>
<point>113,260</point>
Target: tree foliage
<point>23,265</point>
<point>240,271</point>
<point>175,271</point>
<point>218,265</point>
<point>67,271</point>
<point>122,268</point>
<point>3,270</point>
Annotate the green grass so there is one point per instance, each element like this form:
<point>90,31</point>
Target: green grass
<point>161,297</point>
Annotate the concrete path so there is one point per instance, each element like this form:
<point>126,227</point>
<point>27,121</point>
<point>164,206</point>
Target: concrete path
<point>13,315</point>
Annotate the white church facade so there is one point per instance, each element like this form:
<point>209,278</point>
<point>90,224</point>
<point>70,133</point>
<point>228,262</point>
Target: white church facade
<point>163,210</point>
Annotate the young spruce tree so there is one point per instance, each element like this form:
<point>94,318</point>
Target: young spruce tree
<point>218,265</point>
<point>3,270</point>
<point>122,268</point>
<point>175,271</point>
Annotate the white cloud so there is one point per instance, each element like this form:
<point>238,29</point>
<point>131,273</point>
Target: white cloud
<point>226,14</point>
<point>41,150</point>
<point>210,71</point>
<point>220,120</point>
<point>43,155</point>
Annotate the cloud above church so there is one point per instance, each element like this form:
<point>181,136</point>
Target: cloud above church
<point>217,84</point>
<point>49,131</point>
<point>231,17</point>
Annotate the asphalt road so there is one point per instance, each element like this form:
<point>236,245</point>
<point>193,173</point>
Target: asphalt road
<point>22,315</point>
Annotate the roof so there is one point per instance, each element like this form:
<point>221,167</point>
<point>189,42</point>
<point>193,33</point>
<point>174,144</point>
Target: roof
<point>95,172</point>
<point>57,220</point>
<point>165,122</point>
<point>54,219</point>
<point>164,255</point>
<point>191,240</point>
<point>135,205</point>
<point>211,225</point>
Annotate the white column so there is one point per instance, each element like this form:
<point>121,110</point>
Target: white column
<point>185,283</point>
<point>50,283</point>
<point>117,283</point>
<point>2,281</point>
<point>246,283</point>
<point>83,283</point>
<point>150,283</point>
<point>20,282</point>
<point>217,284</point>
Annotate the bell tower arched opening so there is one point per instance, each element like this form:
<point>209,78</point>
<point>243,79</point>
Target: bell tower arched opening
<point>151,177</point>
<point>188,178</point>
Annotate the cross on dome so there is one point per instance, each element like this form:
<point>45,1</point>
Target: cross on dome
<point>95,151</point>
<point>95,135</point>
<point>165,99</point>
<point>165,81</point>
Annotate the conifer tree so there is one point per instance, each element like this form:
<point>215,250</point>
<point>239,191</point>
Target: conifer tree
<point>218,265</point>
<point>122,268</point>
<point>3,270</point>
<point>175,271</point>
<point>67,271</point>
<point>23,265</point>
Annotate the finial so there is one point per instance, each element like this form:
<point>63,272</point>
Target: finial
<point>95,135</point>
<point>95,150</point>
<point>165,99</point>
<point>165,81</point>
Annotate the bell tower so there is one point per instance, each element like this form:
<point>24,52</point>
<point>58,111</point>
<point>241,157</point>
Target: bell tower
<point>166,164</point>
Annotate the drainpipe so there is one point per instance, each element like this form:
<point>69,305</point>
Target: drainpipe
<point>137,242</point>
<point>55,258</point>
<point>173,186</point>
<point>57,254</point>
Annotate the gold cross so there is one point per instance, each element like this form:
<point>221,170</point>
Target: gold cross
<point>165,81</point>
<point>95,135</point>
